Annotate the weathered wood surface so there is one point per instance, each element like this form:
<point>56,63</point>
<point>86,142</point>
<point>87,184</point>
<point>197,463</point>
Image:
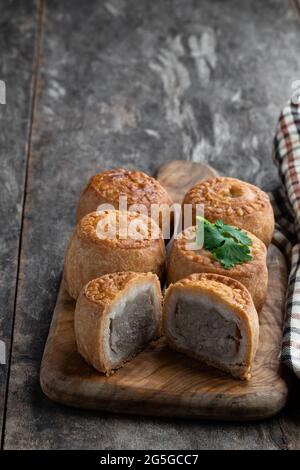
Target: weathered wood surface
<point>17,33</point>
<point>136,84</point>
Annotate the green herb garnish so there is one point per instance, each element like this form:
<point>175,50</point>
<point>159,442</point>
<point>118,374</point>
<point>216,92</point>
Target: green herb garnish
<point>229,245</point>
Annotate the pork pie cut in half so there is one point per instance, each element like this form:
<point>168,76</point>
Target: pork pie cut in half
<point>235,202</point>
<point>111,241</point>
<point>116,316</point>
<point>213,319</point>
<point>183,261</point>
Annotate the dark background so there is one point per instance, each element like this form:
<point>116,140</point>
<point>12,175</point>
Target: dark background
<point>99,84</point>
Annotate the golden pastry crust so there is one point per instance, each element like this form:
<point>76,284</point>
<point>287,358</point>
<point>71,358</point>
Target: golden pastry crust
<point>253,275</point>
<point>139,188</point>
<point>87,229</point>
<point>235,202</point>
<point>104,289</point>
<point>93,308</point>
<point>92,252</point>
<point>234,296</point>
<point>231,291</point>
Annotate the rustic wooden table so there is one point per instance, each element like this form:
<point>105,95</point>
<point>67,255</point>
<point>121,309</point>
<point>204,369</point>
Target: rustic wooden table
<point>101,84</point>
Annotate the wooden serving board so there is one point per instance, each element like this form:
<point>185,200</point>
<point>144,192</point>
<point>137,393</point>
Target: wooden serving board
<point>178,176</point>
<point>162,382</point>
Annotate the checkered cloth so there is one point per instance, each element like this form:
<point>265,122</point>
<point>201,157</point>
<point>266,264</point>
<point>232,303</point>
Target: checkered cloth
<point>286,204</point>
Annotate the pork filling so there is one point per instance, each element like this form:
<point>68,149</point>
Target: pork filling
<point>202,327</point>
<point>133,325</point>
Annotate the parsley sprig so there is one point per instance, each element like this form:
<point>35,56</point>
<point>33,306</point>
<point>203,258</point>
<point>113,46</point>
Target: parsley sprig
<point>229,245</point>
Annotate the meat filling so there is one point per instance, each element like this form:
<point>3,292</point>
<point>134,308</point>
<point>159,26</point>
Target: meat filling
<point>133,326</point>
<point>205,331</point>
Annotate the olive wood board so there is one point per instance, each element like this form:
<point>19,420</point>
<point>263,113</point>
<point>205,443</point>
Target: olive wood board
<point>178,176</point>
<point>162,382</point>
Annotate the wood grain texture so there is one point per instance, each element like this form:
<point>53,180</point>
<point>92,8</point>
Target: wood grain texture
<point>177,176</point>
<point>17,42</point>
<point>101,104</point>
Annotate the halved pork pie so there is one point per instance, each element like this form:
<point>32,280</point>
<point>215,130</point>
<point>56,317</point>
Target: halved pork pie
<point>213,319</point>
<point>116,316</point>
